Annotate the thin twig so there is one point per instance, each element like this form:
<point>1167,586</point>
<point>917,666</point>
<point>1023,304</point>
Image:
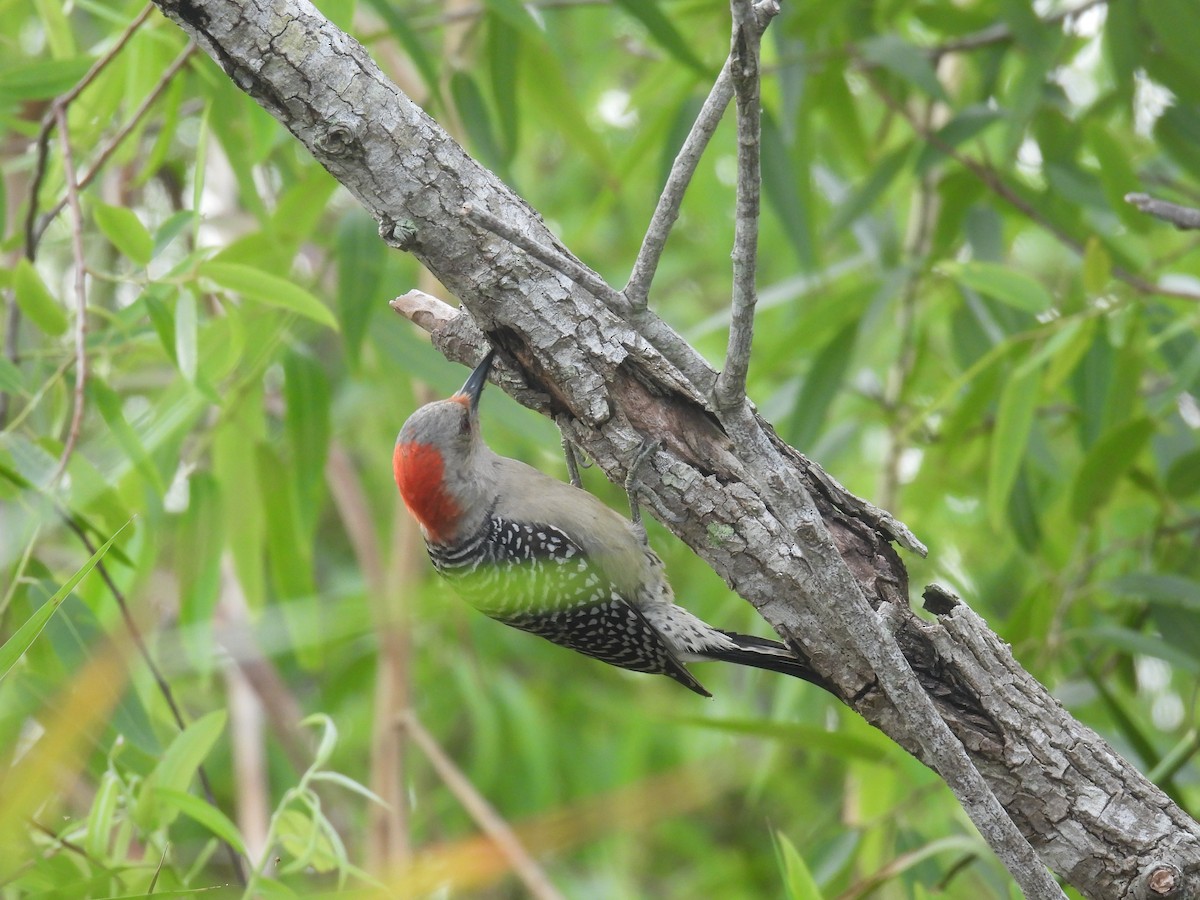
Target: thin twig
<point>998,34</point>
<point>75,848</point>
<point>637,289</point>
<point>485,816</point>
<point>42,151</point>
<point>164,688</point>
<point>730,391</point>
<point>992,180</point>
<point>990,36</point>
<point>1182,217</point>
<point>555,259</point>
<point>81,362</point>
<point>117,139</point>
<point>32,232</point>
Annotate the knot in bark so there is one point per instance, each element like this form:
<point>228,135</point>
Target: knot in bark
<point>1161,881</point>
<point>340,140</point>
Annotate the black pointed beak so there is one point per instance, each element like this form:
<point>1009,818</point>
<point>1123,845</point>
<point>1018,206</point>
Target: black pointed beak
<point>474,385</point>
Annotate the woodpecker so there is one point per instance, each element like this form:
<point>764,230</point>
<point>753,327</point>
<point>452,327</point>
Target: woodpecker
<point>548,558</point>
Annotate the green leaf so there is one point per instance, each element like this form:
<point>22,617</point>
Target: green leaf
<point>550,91</point>
<point>185,335</point>
<point>14,648</point>
<point>868,194</point>
<point>126,231</point>
<point>514,13</point>
<point>349,784</point>
<point>28,80</point>
<point>308,398</point>
<point>663,32</point>
<point>783,191</point>
<point>903,59</point>
<point>1002,283</point>
<point>177,768</point>
<point>203,813</point>
<point>503,47</point>
<point>1134,642</point>
<point>1183,478</point>
<point>108,402</point>
<point>1014,422</point>
<point>797,877</point>
<point>57,28</point>
<point>361,258</point>
<point>821,386</point>
<point>397,23</point>
<point>476,118</point>
<point>305,841</point>
<point>176,225</point>
<point>1106,464</point>
<point>100,817</point>
<point>966,124</point>
<point>11,381</point>
<point>257,285</point>
<point>1167,589</point>
<point>36,301</point>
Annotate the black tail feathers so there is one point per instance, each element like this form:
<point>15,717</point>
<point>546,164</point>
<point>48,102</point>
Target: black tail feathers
<point>762,653</point>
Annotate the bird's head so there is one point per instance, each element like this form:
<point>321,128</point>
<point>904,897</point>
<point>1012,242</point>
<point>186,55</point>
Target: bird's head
<point>437,465</point>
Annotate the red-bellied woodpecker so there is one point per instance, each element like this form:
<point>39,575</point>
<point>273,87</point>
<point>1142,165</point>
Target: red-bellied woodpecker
<point>544,556</point>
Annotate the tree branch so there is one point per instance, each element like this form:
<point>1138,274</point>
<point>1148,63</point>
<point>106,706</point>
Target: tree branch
<point>730,391</point>
<point>1182,217</point>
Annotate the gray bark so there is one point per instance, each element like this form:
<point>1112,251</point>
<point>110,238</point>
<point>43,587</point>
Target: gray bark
<point>779,530</point>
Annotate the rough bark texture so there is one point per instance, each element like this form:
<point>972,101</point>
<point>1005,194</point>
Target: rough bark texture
<point>739,496</point>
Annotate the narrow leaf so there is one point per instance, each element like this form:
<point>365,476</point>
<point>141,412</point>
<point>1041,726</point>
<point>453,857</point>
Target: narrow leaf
<point>661,29</point>
<point>28,80</point>
<point>14,648</point>
<point>185,335</point>
<point>1014,421</point>
<point>902,58</point>
<point>1183,478</point>
<point>821,386</point>
<point>255,284</point>
<point>1002,283</point>
<point>36,301</point>
<point>200,811</point>
<point>1105,465</point>
<point>1171,590</point>
<point>126,231</point>
<point>798,878</point>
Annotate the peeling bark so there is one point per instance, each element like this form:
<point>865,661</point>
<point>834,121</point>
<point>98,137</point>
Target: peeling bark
<point>608,376</point>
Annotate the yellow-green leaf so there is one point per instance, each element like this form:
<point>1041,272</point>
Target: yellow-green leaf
<point>1002,283</point>
<point>1106,464</point>
<point>126,231</point>
<point>255,284</point>
<point>36,301</point>
<point>1014,421</point>
<point>14,648</point>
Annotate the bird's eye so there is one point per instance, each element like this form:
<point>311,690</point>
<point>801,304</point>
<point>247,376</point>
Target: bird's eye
<point>465,426</point>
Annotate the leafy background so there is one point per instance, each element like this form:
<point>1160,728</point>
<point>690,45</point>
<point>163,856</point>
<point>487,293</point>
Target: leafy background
<point>961,319</point>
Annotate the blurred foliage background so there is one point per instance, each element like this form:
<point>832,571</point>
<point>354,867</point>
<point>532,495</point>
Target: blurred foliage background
<point>961,319</point>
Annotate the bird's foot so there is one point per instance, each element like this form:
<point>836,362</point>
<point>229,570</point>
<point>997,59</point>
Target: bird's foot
<point>573,463</point>
<point>633,478</point>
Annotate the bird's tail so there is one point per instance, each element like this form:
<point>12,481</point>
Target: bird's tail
<point>763,653</point>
